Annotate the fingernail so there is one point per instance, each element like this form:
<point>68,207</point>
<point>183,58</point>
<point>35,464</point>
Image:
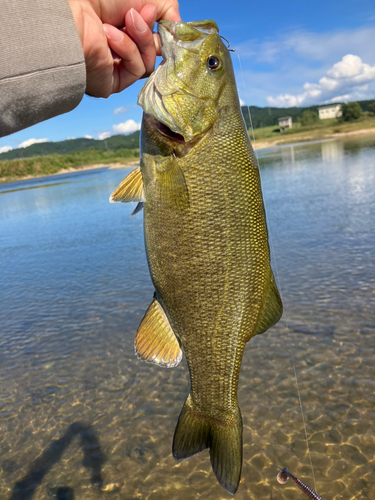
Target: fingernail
<point>138,22</point>
<point>113,33</point>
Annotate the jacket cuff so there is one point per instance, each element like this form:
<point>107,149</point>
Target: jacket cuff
<point>43,71</point>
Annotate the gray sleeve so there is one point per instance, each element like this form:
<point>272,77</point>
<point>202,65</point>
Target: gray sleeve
<point>42,67</point>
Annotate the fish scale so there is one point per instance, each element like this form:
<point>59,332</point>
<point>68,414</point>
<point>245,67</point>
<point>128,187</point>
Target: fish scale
<point>206,238</point>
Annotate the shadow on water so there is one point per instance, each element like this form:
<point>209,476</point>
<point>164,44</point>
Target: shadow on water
<point>93,459</point>
<point>64,493</point>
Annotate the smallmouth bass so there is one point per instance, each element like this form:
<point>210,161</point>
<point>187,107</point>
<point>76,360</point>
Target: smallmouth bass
<point>206,237</point>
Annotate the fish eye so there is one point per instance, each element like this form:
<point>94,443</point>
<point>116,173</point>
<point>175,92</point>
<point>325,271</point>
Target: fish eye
<point>213,63</point>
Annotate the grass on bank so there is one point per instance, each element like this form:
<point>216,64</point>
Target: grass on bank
<point>37,166</point>
<point>317,131</point>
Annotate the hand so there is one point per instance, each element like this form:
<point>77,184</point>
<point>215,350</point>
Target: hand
<point>117,40</point>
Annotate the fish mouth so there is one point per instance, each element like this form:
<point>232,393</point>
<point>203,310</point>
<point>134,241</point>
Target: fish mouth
<point>168,133</point>
<point>163,84</point>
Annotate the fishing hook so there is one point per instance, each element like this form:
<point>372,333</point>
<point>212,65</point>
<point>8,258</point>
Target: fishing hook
<point>230,50</point>
<point>283,477</point>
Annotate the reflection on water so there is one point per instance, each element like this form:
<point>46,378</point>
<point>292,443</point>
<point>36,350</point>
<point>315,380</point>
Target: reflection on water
<point>332,151</point>
<point>287,155</point>
<point>82,418</point>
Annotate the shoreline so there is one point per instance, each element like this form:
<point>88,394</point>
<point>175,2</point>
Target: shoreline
<point>257,146</point>
<point>303,137</point>
<point>94,166</point>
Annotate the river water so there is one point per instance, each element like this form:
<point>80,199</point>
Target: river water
<point>81,418</point>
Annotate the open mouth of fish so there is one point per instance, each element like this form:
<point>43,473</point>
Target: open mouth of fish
<point>167,132</point>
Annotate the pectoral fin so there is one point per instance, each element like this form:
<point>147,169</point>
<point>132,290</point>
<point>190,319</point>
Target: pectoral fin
<point>155,341</point>
<point>170,182</point>
<point>272,310</point>
<point>130,189</point>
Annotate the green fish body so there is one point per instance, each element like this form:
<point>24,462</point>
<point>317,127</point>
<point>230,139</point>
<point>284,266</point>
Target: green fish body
<point>206,237</point>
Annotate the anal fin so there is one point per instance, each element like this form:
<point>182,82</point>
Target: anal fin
<point>155,341</point>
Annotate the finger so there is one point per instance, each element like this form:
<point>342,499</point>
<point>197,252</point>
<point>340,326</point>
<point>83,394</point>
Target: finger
<point>168,10</point>
<point>114,12</point>
<point>157,43</point>
<point>148,13</point>
<point>140,33</point>
<point>132,66</point>
<point>172,14</point>
<point>116,58</point>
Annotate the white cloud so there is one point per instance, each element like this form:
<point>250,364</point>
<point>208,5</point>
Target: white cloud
<point>104,135</point>
<point>123,109</point>
<point>5,149</point>
<point>30,142</point>
<point>343,82</point>
<point>328,83</point>
<point>341,98</point>
<point>352,67</point>
<point>88,136</point>
<point>282,63</point>
<point>126,127</point>
<point>285,101</point>
<point>120,111</point>
<point>242,103</point>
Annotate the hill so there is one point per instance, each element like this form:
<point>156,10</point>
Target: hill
<point>267,117</point>
<point>113,143</point>
<point>261,117</point>
<point>40,166</point>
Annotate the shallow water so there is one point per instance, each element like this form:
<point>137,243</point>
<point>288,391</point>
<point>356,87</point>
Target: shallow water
<point>81,418</point>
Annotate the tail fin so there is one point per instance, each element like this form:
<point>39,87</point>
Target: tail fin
<point>196,432</point>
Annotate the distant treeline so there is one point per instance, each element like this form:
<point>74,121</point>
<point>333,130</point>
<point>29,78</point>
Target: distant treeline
<point>261,117</point>
<point>266,117</point>
<point>113,143</point>
<point>50,164</point>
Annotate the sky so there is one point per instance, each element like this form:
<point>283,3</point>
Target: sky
<point>290,53</point>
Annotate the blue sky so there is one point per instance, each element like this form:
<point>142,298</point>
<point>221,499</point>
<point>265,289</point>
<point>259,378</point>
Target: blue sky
<point>292,53</point>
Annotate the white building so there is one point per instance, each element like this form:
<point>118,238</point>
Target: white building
<point>331,111</point>
<point>285,122</point>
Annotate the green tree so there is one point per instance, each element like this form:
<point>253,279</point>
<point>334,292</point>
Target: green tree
<point>308,118</point>
<point>351,111</point>
<point>372,108</point>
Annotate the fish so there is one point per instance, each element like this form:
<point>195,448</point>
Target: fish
<point>283,477</point>
<point>206,237</point>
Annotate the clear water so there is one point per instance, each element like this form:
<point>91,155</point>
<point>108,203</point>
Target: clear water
<point>81,418</point>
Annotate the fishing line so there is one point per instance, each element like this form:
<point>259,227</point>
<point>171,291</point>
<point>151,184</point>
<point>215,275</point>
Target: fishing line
<point>281,294</point>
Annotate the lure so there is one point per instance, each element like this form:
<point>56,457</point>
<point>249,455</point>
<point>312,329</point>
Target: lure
<point>283,477</point>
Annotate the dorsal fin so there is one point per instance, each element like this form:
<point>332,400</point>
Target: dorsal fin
<point>155,341</point>
<point>130,189</point>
